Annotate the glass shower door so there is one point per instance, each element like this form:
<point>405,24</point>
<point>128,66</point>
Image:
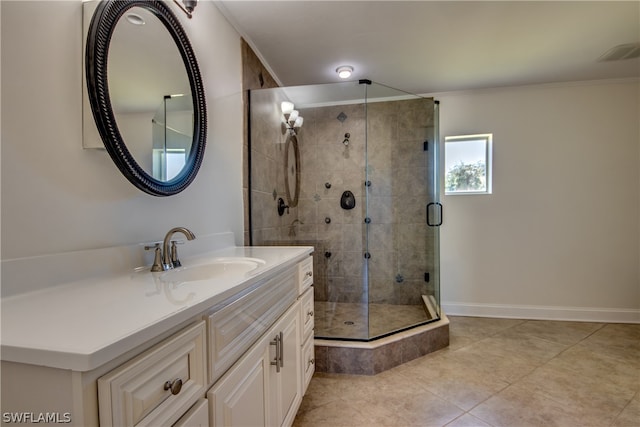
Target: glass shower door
<point>402,250</point>
<point>434,215</point>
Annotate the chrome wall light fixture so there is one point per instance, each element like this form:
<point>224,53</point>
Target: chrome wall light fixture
<point>292,119</point>
<point>188,7</point>
<point>344,71</point>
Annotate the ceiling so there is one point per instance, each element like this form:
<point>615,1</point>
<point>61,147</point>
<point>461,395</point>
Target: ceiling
<point>432,46</point>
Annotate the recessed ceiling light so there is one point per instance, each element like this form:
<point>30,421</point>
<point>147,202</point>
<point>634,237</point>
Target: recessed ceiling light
<point>344,71</point>
<point>135,19</point>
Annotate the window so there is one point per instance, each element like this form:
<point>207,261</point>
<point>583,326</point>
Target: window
<point>167,164</point>
<point>467,162</point>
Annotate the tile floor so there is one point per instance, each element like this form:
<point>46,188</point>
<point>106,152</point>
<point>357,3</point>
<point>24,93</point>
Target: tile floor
<point>496,372</point>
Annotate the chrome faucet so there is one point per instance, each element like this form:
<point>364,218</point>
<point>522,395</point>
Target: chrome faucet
<point>170,255</point>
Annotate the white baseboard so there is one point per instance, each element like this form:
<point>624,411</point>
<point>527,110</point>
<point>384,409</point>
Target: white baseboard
<point>579,314</point>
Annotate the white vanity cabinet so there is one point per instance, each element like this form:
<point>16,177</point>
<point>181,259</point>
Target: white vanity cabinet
<point>306,336</point>
<point>264,387</point>
<point>238,355</point>
<point>253,351</point>
<point>234,327</point>
<point>305,274</point>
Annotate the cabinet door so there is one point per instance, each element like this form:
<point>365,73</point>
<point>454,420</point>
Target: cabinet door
<point>264,388</point>
<point>286,385</point>
<point>197,416</point>
<point>240,397</point>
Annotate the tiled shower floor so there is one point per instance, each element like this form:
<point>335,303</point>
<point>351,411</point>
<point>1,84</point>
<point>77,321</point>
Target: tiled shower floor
<point>351,320</point>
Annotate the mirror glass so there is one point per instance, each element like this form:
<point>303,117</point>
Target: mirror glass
<point>146,94</point>
<point>292,171</point>
<point>150,94</point>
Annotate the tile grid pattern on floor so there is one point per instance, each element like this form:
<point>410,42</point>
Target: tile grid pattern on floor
<point>496,372</point>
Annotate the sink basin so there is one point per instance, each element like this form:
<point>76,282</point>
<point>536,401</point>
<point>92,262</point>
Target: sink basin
<point>218,268</point>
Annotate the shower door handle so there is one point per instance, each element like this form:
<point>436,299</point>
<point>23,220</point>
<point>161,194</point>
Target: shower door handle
<point>439,210</point>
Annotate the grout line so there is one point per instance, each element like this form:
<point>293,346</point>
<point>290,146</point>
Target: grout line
<point>636,394</point>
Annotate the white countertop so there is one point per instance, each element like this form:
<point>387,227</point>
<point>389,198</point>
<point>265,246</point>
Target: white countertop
<point>85,323</point>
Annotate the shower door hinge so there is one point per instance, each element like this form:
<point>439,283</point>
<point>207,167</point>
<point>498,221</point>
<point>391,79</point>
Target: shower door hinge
<point>426,277</point>
<point>426,146</point>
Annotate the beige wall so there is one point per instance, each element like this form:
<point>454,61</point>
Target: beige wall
<point>57,196</point>
<point>559,236</point>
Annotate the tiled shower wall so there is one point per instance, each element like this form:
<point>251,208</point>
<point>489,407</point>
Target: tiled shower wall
<point>401,172</point>
<point>391,136</point>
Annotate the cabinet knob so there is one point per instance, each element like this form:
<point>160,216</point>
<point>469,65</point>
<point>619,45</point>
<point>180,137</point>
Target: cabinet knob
<point>312,361</point>
<point>310,313</point>
<point>310,273</point>
<point>175,386</point>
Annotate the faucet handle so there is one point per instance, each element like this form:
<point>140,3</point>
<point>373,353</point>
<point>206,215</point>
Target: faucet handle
<point>157,259</point>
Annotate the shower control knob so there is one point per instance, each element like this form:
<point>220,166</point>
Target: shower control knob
<point>367,220</point>
<point>327,220</point>
<point>327,185</point>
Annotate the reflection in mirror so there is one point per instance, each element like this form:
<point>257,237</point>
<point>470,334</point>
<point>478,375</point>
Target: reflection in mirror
<point>292,170</point>
<point>172,135</point>
<point>149,90</point>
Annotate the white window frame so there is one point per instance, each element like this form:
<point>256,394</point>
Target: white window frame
<point>488,158</point>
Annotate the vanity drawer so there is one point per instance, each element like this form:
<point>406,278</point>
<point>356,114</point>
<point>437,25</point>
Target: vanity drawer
<point>308,362</point>
<point>307,314</point>
<point>305,274</point>
<point>145,391</point>
<point>234,328</point>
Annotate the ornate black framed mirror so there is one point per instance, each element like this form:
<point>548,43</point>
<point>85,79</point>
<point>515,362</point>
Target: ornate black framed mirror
<point>146,94</point>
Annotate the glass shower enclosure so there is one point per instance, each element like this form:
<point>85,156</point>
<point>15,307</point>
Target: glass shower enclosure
<point>352,170</point>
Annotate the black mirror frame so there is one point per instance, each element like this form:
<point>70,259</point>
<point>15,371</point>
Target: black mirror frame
<point>103,23</point>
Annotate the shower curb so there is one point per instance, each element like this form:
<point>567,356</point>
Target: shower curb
<point>371,358</point>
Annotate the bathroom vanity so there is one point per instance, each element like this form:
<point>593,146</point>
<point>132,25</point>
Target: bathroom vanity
<point>226,339</point>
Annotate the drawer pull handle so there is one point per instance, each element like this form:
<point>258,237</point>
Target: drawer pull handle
<point>175,386</point>
<point>277,341</point>
<point>310,313</point>
<point>310,273</point>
